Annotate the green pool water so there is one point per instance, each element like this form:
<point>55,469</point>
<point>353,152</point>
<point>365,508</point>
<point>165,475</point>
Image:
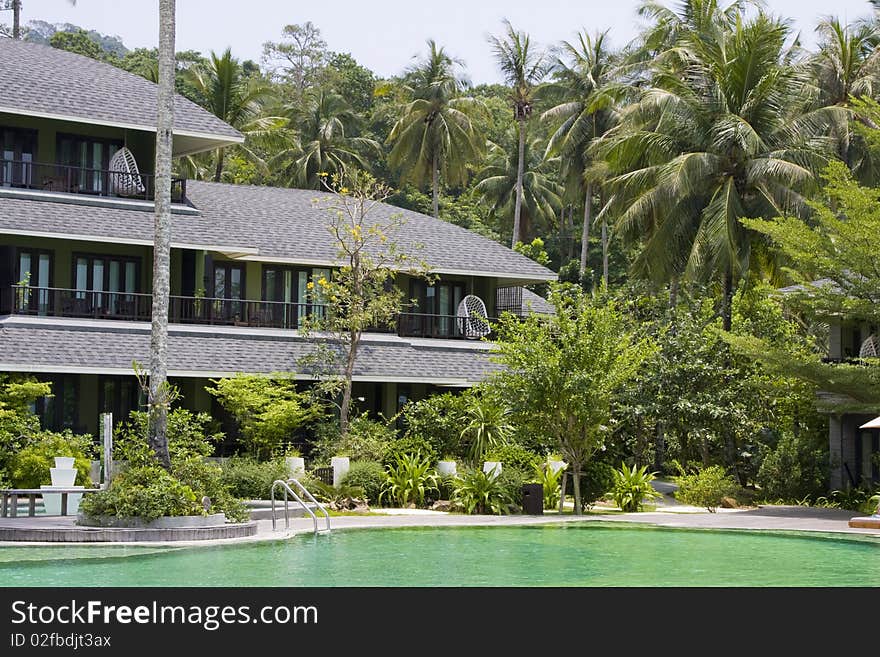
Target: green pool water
<point>589,554</point>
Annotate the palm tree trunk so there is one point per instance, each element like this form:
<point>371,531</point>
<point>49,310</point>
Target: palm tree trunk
<point>605,252</point>
<point>727,300</point>
<point>435,173</point>
<point>519,184</point>
<point>585,236</point>
<point>158,392</point>
<point>218,171</point>
<point>16,19</point>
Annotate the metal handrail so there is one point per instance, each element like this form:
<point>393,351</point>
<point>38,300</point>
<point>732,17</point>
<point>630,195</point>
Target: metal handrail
<point>288,490</point>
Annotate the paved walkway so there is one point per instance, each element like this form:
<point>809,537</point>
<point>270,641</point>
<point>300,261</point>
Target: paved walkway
<point>779,518</point>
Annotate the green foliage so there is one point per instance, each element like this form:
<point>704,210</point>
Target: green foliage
<point>189,435</point>
<point>437,420</point>
<point>30,466</point>
<point>478,492</point>
<point>250,479</point>
<point>534,250</point>
<point>632,486</point>
<point>551,481</point>
<point>514,456</point>
<point>207,480</point>
<point>597,479</point>
<point>366,440</point>
<point>409,444</point>
<point>17,424</point>
<point>146,492</point>
<point>707,487</point>
<point>268,410</point>
<point>794,469</point>
<point>409,480</point>
<point>486,425</point>
<point>511,480</point>
<point>369,476</point>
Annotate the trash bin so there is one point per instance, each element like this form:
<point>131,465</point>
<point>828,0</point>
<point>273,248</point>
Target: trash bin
<point>533,499</point>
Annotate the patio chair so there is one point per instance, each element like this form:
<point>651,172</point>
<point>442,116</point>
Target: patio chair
<point>471,314</point>
<point>125,179</point>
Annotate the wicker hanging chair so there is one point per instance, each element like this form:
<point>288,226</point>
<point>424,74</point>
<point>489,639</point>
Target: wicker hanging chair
<point>471,314</point>
<point>125,179</point>
<point>870,347</point>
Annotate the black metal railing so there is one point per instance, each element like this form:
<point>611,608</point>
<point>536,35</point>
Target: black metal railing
<point>23,174</point>
<point>135,306</point>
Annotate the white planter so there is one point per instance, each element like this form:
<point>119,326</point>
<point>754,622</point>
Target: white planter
<point>341,466</point>
<point>65,462</point>
<point>52,501</point>
<point>63,477</point>
<point>492,468</point>
<point>556,466</point>
<point>296,465</point>
<point>446,467</point>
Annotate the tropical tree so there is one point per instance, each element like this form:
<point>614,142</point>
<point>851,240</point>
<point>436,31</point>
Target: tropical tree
<point>228,93</point>
<point>727,129</point>
<point>435,136</point>
<point>523,69</point>
<point>587,83</point>
<point>520,179</point>
<point>159,395</point>
<point>325,124</point>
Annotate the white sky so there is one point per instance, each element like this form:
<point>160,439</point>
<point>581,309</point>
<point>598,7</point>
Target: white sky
<point>384,35</point>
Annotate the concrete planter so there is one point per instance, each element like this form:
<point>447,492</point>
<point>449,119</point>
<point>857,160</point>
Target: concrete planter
<point>492,468</point>
<point>446,468</point>
<point>296,466</point>
<point>165,522</point>
<point>556,466</point>
<point>341,466</point>
<point>64,462</point>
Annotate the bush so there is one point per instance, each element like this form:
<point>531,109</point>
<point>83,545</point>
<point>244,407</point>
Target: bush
<point>249,479</point>
<point>146,492</point>
<point>632,486</point>
<point>706,487</point>
<point>188,436</point>
<point>29,467</point>
<point>514,456</point>
<point>370,476</point>
<point>367,440</point>
<point>597,480</point>
<point>550,481</point>
<point>511,481</point>
<point>478,492</point>
<point>437,420</point>
<point>793,470</point>
<point>407,445</point>
<point>409,480</point>
<point>206,480</point>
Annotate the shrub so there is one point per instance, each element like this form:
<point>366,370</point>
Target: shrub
<point>478,492</point>
<point>486,425</point>
<point>146,492</point>
<point>437,420</point>
<point>367,440</point>
<point>188,436</point>
<point>707,487</point>
<point>550,481</point>
<point>409,480</point>
<point>632,486</point>
<point>249,479</point>
<point>29,467</point>
<point>515,456</point>
<point>206,480</point>
<point>408,445</point>
<point>597,480</point>
<point>370,476</point>
<point>793,470</point>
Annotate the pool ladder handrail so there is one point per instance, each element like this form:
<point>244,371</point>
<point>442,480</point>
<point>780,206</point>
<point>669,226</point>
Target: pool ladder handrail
<point>285,486</point>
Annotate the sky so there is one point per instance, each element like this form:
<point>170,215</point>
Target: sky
<point>385,35</point>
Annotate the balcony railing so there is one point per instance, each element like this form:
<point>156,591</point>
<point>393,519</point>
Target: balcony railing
<point>135,306</point>
<point>22,174</point>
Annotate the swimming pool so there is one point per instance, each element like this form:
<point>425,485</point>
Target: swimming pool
<point>590,554</point>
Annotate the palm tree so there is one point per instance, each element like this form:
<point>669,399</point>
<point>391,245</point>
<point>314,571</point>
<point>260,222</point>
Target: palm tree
<point>226,92</point>
<point>526,175</point>
<point>158,384</point>
<point>324,123</point>
<point>435,136</point>
<point>727,130</point>
<point>523,69</point>
<point>15,5</point>
<point>589,89</point>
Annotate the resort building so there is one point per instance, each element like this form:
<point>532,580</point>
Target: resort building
<point>77,140</point>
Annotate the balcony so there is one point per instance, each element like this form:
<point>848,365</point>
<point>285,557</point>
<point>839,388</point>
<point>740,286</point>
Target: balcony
<point>134,306</point>
<point>60,178</point>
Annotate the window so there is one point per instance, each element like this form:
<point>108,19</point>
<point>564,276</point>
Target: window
<point>91,156</point>
<point>102,281</point>
<point>290,286</point>
<point>437,306</point>
<point>34,271</point>
<point>119,395</point>
<point>17,150</point>
<point>228,282</point>
<point>60,410</point>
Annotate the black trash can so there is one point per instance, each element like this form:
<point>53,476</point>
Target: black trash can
<point>533,499</point>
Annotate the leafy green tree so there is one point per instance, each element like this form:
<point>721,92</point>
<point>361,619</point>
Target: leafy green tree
<point>561,373</point>
<point>78,42</point>
<point>297,59</point>
<point>351,81</point>
<point>435,135</point>
<point>523,69</point>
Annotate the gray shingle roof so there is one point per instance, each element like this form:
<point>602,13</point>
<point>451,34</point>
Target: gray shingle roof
<point>62,346</point>
<point>292,224</point>
<point>37,79</point>
<point>537,304</point>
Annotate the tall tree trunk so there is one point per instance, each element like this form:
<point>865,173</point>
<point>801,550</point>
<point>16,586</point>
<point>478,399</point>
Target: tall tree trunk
<point>727,300</point>
<point>659,447</point>
<point>605,252</point>
<point>519,185</point>
<point>726,322</point>
<point>218,171</point>
<point>435,174</point>
<point>673,293</point>
<point>354,342</point>
<point>158,394</point>
<point>585,235</point>
<point>576,480</point>
<point>16,19</point>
